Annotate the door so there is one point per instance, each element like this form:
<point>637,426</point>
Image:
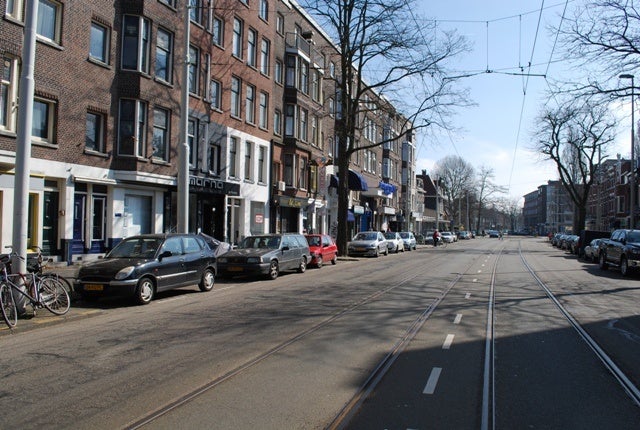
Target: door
<point>50,223</point>
<point>79,205</point>
<point>171,270</point>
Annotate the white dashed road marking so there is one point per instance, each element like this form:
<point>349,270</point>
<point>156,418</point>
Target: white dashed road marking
<point>448,341</point>
<point>430,388</point>
<point>457,319</point>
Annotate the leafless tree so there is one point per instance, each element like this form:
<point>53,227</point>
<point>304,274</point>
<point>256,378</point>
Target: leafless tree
<point>575,136</point>
<point>456,178</point>
<point>384,49</point>
<point>486,189</point>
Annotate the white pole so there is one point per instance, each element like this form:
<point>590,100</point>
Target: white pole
<point>183,150</point>
<point>23,141</point>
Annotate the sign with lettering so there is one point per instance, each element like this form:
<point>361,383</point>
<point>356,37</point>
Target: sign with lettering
<point>213,186</point>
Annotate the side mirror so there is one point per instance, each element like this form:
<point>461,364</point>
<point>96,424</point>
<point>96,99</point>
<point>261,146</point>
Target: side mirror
<point>165,254</point>
<point>285,248</point>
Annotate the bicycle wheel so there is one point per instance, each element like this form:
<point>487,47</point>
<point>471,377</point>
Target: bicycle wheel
<point>8,305</point>
<point>54,296</point>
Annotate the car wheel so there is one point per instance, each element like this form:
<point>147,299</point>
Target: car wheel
<point>319,262</point>
<point>273,270</point>
<point>386,251</point>
<point>303,265</point>
<point>334,260</point>
<point>144,291</point>
<point>207,281</point>
<point>603,261</point>
<point>624,267</point>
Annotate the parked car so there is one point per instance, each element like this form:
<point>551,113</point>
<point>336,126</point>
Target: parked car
<point>218,246</point>
<point>323,249</point>
<point>622,250</point>
<point>428,238</point>
<point>140,266</point>
<point>464,235</point>
<point>493,233</point>
<point>409,241</point>
<point>368,243</point>
<point>394,241</point>
<point>266,255</point>
<point>591,250</point>
<point>447,236</point>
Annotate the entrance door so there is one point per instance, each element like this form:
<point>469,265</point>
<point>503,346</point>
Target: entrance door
<point>79,205</point>
<point>50,223</point>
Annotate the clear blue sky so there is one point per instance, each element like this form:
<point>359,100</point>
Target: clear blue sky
<point>498,131</point>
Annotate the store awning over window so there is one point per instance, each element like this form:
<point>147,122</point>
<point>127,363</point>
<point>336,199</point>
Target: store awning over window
<point>356,181</point>
<point>350,216</point>
<point>387,188</point>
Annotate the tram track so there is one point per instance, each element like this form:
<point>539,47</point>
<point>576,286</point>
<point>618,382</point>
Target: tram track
<point>292,339</point>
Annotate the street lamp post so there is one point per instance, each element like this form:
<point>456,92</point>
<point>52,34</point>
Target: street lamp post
<point>632,178</point>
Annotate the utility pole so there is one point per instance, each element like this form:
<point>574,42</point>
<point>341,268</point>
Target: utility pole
<point>23,141</point>
<point>632,177</point>
<point>183,150</point>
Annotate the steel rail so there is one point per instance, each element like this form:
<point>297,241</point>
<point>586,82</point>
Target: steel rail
<point>617,373</point>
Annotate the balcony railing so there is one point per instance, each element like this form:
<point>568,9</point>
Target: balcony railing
<point>295,42</point>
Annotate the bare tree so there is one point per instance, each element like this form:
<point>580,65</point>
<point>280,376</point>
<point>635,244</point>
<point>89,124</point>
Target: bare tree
<point>486,189</point>
<point>384,49</point>
<point>575,135</point>
<point>456,178</point>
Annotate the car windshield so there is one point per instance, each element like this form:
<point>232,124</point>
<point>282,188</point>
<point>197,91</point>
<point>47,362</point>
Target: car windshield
<point>313,240</point>
<point>257,242</point>
<point>136,247</point>
<point>633,237</point>
<point>404,235</point>
<point>366,236</point>
<point>390,235</point>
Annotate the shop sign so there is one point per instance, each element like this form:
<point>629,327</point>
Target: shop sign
<point>292,202</point>
<point>259,218</point>
<point>213,186</point>
<point>358,210</point>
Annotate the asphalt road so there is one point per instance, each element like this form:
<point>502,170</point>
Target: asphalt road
<point>455,338</point>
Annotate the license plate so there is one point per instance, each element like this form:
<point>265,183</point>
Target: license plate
<point>361,249</point>
<point>94,287</point>
<point>234,269</point>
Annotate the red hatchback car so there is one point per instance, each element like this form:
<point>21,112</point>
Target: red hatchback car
<point>323,249</point>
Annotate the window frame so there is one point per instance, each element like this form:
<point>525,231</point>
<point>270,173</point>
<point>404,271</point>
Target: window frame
<point>233,156</point>
<point>9,93</point>
<point>168,50</point>
<point>248,164</point>
<point>194,70</point>
<point>99,133</point>
<point>238,39</point>
<point>105,42</point>
<point>50,123</point>
<point>263,110</point>
<point>236,97</point>
<point>139,121</point>
<point>215,94</point>
<point>265,53</point>
<point>262,163</point>
<point>250,104</point>
<point>252,48</point>
<point>161,131</point>
<point>55,33</point>
<point>263,10</point>
<point>142,35</point>
<point>217,31</point>
<point>193,130</point>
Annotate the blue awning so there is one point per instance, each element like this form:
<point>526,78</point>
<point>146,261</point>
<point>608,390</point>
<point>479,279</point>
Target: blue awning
<point>356,181</point>
<point>350,216</point>
<point>387,188</point>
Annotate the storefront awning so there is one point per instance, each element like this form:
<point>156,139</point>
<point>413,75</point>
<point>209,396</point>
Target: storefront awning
<point>350,216</point>
<point>355,179</point>
<point>387,188</point>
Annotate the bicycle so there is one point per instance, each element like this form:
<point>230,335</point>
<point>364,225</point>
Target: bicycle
<point>46,291</point>
<point>441,243</point>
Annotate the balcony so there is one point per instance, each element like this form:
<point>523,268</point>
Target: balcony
<point>296,44</point>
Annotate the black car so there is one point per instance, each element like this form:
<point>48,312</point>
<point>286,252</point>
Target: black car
<point>140,266</point>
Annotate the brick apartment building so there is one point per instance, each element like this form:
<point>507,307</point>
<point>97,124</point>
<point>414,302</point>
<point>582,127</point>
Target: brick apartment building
<point>106,124</point>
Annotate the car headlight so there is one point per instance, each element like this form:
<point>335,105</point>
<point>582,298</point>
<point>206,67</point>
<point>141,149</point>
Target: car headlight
<point>222,259</point>
<point>125,273</point>
<point>253,260</point>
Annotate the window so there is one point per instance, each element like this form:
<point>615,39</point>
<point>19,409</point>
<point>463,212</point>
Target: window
<point>313,179</point>
<point>192,141</point>
<point>290,78</point>
<point>280,23</point>
<point>99,43</point>
<point>195,11</point>
<point>304,125</point>
<point>43,120</point>
<point>262,164</point>
<point>132,128</point>
<point>235,97</point>
<point>331,106</point>
<point>288,169</point>
<point>264,110</point>
<point>215,90</point>
<point>265,47</point>
<point>213,158</point>
<point>332,69</point>
<point>94,133</point>
<point>194,69</point>
<point>252,37</point>
<point>316,89</point>
<point>264,10</point>
<point>290,120</point>
<point>9,94</point>
<point>15,8</point>
<point>218,31</point>
<point>237,38</point>
<point>304,77</point>
<point>160,141</point>
<point>48,25</point>
<point>171,3</point>
<point>250,107</point>
<point>99,217</point>
<point>135,44</point>
<point>233,152</point>
<point>248,153</point>
<point>277,122</point>
<point>314,130</point>
<point>278,72</point>
<point>302,173</point>
<point>164,55</point>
